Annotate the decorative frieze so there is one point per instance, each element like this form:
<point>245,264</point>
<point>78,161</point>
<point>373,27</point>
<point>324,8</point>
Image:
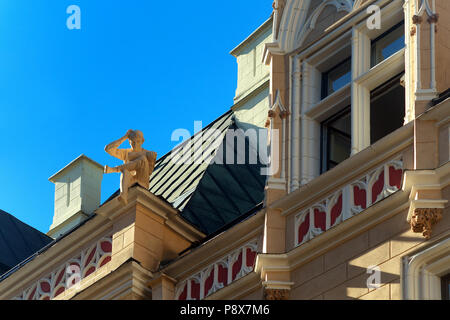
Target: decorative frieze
<point>348,201</point>
<point>219,274</point>
<point>70,273</point>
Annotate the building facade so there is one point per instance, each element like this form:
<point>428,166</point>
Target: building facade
<point>353,98</point>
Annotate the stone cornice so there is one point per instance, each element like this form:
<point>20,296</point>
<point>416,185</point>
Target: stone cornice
<point>255,34</point>
<point>138,195</point>
<point>440,112</point>
<point>213,249</point>
<point>129,278</point>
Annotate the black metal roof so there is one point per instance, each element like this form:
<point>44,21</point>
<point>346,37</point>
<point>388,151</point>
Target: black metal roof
<point>18,241</point>
<point>175,181</point>
<point>209,192</point>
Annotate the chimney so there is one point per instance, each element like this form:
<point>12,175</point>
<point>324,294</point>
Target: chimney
<point>77,194</point>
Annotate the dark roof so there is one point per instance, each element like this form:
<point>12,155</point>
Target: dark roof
<point>208,192</point>
<point>442,97</point>
<point>176,181</point>
<point>226,191</point>
<point>18,241</point>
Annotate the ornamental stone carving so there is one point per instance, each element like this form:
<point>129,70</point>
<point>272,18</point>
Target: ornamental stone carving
<point>424,219</point>
<point>138,162</point>
<point>276,294</point>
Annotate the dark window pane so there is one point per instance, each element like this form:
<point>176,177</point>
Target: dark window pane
<point>388,44</point>
<point>336,78</point>
<point>446,287</point>
<point>336,139</point>
<point>387,109</point>
<point>339,147</point>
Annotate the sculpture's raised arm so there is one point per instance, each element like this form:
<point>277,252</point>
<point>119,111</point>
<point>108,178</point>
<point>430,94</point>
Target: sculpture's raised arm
<point>113,147</point>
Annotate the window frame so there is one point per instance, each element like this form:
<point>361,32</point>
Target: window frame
<point>390,83</point>
<point>310,108</point>
<point>373,62</point>
<point>325,78</point>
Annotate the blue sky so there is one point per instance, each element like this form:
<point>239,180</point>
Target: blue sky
<point>149,65</point>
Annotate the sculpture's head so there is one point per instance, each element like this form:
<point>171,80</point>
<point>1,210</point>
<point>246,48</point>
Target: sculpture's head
<point>136,138</point>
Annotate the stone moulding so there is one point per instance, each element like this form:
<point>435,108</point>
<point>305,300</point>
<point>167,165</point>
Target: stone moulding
<point>220,274</point>
<point>71,272</point>
<point>348,201</point>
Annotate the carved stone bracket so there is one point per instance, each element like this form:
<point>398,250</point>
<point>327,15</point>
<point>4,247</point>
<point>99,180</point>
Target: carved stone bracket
<point>417,19</point>
<point>424,219</point>
<point>276,294</point>
<point>433,18</point>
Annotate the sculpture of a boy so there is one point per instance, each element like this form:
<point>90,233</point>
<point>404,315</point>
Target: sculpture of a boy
<point>138,162</point>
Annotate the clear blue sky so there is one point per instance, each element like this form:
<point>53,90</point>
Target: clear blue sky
<point>141,64</point>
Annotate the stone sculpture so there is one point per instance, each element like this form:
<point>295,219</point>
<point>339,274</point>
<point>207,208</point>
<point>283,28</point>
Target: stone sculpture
<point>138,162</point>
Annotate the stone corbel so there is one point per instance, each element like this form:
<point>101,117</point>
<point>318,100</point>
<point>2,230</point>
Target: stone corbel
<point>426,203</point>
<point>433,18</point>
<point>423,220</point>
<point>274,270</point>
<point>276,294</point>
<point>424,214</point>
<point>277,290</point>
<point>417,19</point>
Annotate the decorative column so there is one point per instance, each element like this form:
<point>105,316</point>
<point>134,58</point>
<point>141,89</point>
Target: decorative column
<point>424,32</point>
<point>310,129</point>
<point>275,224</point>
<point>295,126</point>
<point>360,95</point>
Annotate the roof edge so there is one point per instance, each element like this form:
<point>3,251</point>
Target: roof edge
<point>252,36</point>
<point>73,162</point>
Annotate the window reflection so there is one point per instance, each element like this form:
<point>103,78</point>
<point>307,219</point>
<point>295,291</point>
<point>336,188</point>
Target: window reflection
<point>336,78</point>
<point>388,44</point>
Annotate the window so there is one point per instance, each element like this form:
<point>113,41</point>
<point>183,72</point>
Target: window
<point>388,43</point>
<point>446,287</point>
<point>336,139</point>
<point>387,108</point>
<point>336,78</point>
